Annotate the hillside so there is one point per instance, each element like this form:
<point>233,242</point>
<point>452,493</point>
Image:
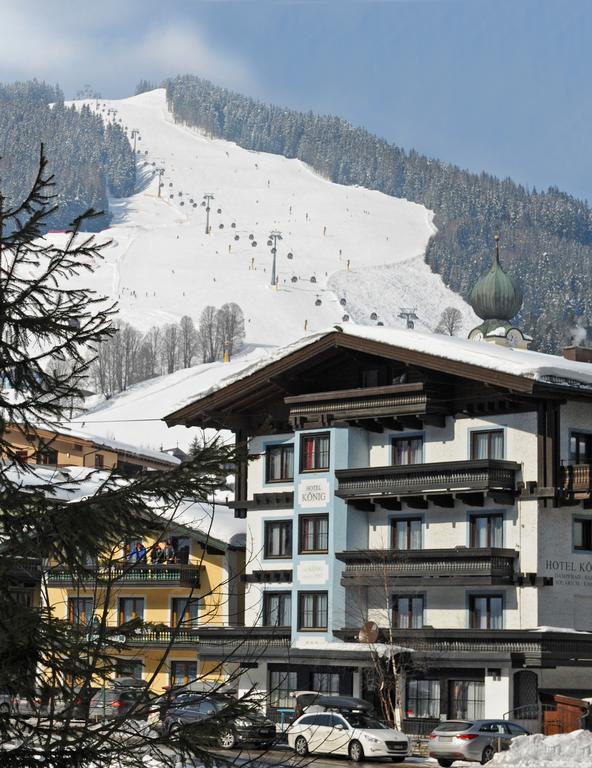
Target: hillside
<point>162,265</point>
<point>88,159</point>
<point>546,236</point>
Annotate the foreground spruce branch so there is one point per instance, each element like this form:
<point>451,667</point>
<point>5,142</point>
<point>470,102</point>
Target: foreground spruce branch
<point>54,519</point>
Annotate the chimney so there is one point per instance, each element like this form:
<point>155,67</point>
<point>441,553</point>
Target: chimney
<point>579,354</point>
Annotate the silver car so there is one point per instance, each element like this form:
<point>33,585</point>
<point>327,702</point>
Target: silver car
<point>471,740</point>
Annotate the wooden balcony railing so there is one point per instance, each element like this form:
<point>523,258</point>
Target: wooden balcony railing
<point>434,567</point>
<point>129,573</point>
<point>435,478</point>
<point>576,479</point>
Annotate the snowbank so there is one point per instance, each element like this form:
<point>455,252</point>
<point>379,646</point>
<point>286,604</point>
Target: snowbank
<point>570,750</point>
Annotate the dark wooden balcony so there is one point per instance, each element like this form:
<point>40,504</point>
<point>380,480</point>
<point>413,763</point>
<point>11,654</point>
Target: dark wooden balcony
<point>575,480</point>
<point>394,406</point>
<point>428,567</point>
<point>164,636</point>
<point>439,482</point>
<point>132,574</point>
<point>244,644</point>
<point>525,647</point>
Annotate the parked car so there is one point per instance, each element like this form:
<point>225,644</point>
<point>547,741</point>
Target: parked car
<point>314,701</point>
<point>353,733</point>
<point>105,703</point>
<point>251,728</point>
<point>471,740</point>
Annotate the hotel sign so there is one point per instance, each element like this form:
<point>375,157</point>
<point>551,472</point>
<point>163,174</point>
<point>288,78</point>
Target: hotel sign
<point>570,573</point>
<point>313,493</point>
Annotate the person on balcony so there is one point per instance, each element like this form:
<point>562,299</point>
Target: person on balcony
<point>169,552</point>
<point>157,554</point>
<point>138,554</point>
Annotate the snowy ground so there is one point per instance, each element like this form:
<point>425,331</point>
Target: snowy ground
<point>162,265</point>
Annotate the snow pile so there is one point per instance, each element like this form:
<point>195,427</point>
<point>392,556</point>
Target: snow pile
<point>569,750</point>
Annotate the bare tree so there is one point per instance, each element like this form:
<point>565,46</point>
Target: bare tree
<point>231,327</point>
<point>450,322</point>
<point>187,341</point>
<point>170,347</point>
<point>210,343</point>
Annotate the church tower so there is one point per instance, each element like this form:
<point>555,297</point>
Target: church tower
<point>496,299</point>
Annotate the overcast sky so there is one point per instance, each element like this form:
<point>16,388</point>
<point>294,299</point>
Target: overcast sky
<point>495,85</point>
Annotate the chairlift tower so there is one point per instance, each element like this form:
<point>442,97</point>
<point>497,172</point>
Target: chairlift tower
<point>208,197</point>
<point>135,132</point>
<point>274,236</point>
<point>409,316</point>
<point>160,172</point>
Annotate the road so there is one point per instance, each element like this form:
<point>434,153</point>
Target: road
<point>285,757</point>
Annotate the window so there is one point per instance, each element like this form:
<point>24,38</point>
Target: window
<point>408,611</point>
<point>487,530</point>
<point>580,448</point>
<point>488,444</point>
<point>466,700</point>
<point>312,610</point>
<point>184,612</point>
<point>279,463</point>
<point>406,533</point>
<point>407,450</point>
<point>183,672</point>
<point>326,682</point>
<point>277,609</point>
<point>314,533</point>
<point>130,608</point>
<point>282,685</point>
<point>314,453</point>
<point>582,533</point>
<point>99,461</point>
<point>182,547</point>
<point>47,457</point>
<point>278,539</point>
<point>129,668</point>
<point>486,611</point>
<point>423,698</point>
<point>80,610</point>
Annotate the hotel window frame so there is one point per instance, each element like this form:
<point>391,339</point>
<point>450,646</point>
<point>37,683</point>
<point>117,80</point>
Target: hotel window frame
<point>316,520</point>
<point>283,596</point>
<point>475,434</point>
<point>396,613</point>
<point>417,437</point>
<point>586,522</point>
<point>186,677</point>
<point>73,616</point>
<point>285,524</point>
<point>474,700</point>
<point>488,596</point>
<point>489,516</point>
<point>395,521</point>
<point>120,612</point>
<point>316,595</point>
<point>315,438</point>
<point>427,700</point>
<point>574,456</point>
<point>282,448</point>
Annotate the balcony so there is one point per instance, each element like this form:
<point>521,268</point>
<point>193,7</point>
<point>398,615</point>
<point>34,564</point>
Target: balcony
<point>525,647</point>
<point>440,482</point>
<point>124,574</point>
<point>429,567</point>
<point>244,644</point>
<point>575,480</point>
<point>394,406</point>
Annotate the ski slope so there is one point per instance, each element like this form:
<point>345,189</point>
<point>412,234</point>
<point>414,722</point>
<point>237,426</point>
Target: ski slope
<point>345,250</point>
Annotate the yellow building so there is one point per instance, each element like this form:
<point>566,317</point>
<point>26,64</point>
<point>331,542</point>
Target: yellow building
<point>75,448</point>
<point>202,587</point>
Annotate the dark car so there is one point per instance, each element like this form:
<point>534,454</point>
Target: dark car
<point>218,714</point>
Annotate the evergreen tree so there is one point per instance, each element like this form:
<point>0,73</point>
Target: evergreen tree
<point>43,323</point>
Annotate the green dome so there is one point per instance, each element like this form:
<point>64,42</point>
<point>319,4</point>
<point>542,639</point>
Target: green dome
<point>496,296</point>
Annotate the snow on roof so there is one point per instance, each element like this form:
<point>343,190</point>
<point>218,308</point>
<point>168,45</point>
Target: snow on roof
<point>384,650</point>
<point>518,362</point>
<point>135,416</point>
<point>215,522</point>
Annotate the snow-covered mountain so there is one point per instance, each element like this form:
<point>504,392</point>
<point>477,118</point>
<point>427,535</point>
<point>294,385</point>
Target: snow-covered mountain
<point>344,251</point>
<point>162,265</point>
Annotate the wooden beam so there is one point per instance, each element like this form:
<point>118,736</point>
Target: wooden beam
<point>411,422</point>
<point>364,505</point>
<point>502,497</point>
<point>472,499</point>
<point>415,502</point>
<point>391,423</point>
<point>391,504</point>
<point>442,499</point>
<point>434,420</point>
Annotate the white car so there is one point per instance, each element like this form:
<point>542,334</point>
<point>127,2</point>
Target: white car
<point>356,734</point>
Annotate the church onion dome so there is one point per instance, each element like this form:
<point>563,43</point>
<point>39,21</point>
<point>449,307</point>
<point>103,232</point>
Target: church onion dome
<point>496,296</point>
